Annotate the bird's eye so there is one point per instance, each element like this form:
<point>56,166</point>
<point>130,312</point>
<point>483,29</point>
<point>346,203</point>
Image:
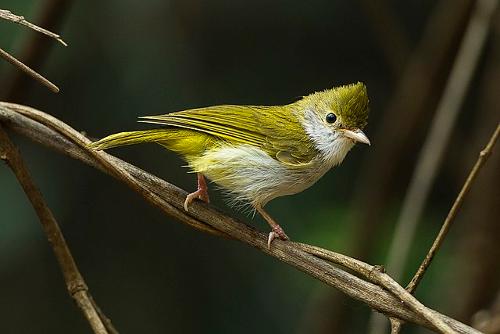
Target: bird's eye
<point>331,118</point>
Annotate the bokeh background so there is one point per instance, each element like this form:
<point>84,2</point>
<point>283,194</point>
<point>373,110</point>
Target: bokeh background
<point>151,274</point>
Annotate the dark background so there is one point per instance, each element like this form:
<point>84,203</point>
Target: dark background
<point>151,274</point>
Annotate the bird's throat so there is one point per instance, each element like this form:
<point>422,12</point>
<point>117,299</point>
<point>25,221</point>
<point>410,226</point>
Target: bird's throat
<point>331,145</point>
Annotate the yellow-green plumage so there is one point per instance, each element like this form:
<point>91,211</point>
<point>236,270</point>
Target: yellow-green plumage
<point>186,142</point>
<point>258,153</point>
<point>264,127</point>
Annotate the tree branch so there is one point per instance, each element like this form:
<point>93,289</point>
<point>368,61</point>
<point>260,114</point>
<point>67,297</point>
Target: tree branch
<point>32,73</point>
<point>34,50</point>
<point>446,113</point>
<point>483,156</point>
<point>7,15</point>
<point>75,284</point>
<point>430,157</point>
<point>377,275</point>
<point>53,133</point>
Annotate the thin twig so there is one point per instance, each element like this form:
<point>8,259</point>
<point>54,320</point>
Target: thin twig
<point>105,320</point>
<point>442,125</point>
<point>53,133</point>
<point>75,284</point>
<point>32,73</point>
<point>395,325</point>
<point>421,80</point>
<point>34,50</point>
<point>483,156</point>
<point>9,16</point>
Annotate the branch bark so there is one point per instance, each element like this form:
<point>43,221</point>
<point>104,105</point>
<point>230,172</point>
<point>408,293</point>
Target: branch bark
<point>9,16</point>
<point>483,156</point>
<point>51,132</point>
<point>442,125</point>
<point>75,283</point>
<point>34,50</point>
<point>77,288</point>
<point>32,73</point>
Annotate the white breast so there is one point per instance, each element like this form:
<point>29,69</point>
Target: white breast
<point>247,173</point>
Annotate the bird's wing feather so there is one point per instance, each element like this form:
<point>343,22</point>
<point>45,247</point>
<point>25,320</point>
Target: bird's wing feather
<point>273,129</point>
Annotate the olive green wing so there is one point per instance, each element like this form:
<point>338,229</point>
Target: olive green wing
<point>272,128</point>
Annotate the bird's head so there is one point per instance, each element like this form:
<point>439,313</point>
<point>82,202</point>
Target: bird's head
<point>334,119</point>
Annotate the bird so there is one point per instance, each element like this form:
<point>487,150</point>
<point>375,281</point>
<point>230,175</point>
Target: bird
<point>258,153</point>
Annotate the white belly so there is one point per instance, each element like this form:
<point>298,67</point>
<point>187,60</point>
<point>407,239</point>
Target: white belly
<point>250,175</point>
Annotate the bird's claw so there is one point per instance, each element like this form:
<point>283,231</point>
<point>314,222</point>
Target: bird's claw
<point>198,194</point>
<point>277,232</point>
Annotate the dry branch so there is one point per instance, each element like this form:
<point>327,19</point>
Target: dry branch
<point>483,156</point>
<point>7,15</point>
<point>421,81</point>
<point>51,132</point>
<point>431,155</point>
<point>446,114</point>
<point>33,50</point>
<point>377,274</point>
<point>75,284</point>
<point>32,73</point>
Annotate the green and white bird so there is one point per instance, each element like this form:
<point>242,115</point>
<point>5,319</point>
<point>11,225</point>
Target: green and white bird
<point>258,153</point>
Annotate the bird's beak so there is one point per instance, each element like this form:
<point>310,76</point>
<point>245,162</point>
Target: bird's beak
<point>357,135</point>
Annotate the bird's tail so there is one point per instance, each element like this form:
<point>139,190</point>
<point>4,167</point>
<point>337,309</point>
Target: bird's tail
<point>129,138</point>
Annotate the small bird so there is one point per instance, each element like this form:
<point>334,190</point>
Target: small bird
<point>258,153</point>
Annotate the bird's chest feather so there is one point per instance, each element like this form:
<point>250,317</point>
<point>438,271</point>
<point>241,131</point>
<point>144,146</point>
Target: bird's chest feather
<point>251,175</point>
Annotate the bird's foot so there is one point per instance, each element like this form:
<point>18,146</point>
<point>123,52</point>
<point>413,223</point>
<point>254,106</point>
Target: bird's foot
<point>198,194</point>
<point>201,193</point>
<point>277,232</point>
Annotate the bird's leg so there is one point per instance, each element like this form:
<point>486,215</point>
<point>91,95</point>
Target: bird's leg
<point>277,231</point>
<point>200,193</point>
